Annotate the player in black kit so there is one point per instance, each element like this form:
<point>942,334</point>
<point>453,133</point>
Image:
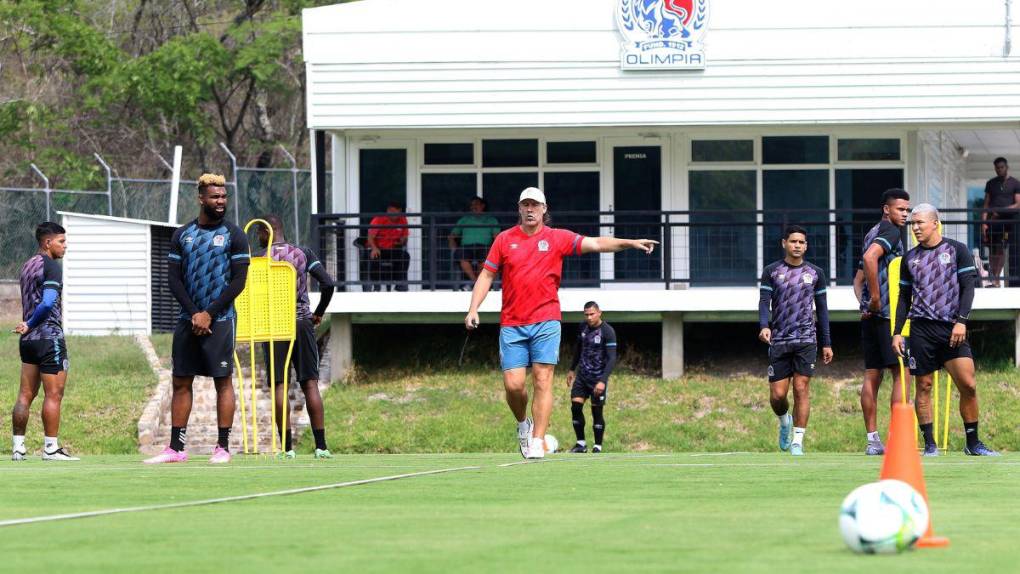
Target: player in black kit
<point>595,354</point>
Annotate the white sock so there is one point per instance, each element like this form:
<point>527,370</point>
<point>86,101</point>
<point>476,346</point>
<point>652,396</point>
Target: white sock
<point>582,443</point>
<point>873,437</point>
<point>798,435</point>
<point>19,442</point>
<point>50,443</point>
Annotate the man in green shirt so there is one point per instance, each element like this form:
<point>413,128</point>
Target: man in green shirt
<point>475,233</point>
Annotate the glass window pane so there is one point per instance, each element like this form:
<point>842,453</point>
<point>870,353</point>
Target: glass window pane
<point>858,204</point>
<point>795,149</point>
<point>796,197</point>
<point>868,150</point>
<point>502,190</point>
<point>570,152</point>
<point>509,153</point>
<point>722,150</point>
<point>723,234</point>
<point>383,178</point>
<point>449,154</point>
<point>444,197</point>
<point>637,186</point>
<point>576,192</point>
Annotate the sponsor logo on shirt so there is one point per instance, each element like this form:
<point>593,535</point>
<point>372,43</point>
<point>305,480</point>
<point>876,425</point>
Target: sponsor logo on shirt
<point>543,245</point>
<point>944,258</point>
<point>513,246</point>
<point>218,241</point>
<point>189,239</point>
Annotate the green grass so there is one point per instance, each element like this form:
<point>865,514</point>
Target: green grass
<point>464,411</point>
<point>108,384</point>
<point>573,513</point>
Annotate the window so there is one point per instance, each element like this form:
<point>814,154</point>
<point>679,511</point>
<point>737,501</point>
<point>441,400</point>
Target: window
<point>510,153</point>
<point>868,150</point>
<point>795,149</point>
<point>449,154</point>
<point>722,150</point>
<point>570,152</point>
<point>723,235</point>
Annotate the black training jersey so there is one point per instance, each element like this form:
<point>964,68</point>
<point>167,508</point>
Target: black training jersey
<point>38,274</point>
<point>793,290</point>
<point>205,254</point>
<point>886,235</point>
<point>595,343</point>
<point>935,276</point>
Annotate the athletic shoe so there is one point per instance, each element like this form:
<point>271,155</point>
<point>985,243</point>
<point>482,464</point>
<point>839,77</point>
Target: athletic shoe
<point>797,449</point>
<point>930,450</point>
<point>979,449</point>
<point>286,455</point>
<point>536,449</point>
<point>168,455</point>
<point>525,437</point>
<point>18,455</point>
<point>59,454</point>
<point>874,448</point>
<point>220,455</point>
<point>579,448</point>
<point>323,453</point>
<point>785,426</point>
<point>596,449</point>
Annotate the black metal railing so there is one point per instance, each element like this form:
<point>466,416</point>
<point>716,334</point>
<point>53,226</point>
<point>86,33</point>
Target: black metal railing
<point>698,248</point>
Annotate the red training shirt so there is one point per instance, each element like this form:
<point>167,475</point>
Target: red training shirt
<point>387,237</point>
<point>531,269</point>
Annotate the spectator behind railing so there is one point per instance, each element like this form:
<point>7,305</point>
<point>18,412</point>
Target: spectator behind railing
<point>1002,192</point>
<point>388,260</point>
<point>475,233</point>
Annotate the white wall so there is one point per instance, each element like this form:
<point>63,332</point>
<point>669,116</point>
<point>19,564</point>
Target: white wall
<point>107,276</point>
<point>489,63</point>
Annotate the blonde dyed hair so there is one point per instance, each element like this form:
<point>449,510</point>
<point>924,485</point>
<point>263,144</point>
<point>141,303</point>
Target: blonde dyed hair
<point>211,180</point>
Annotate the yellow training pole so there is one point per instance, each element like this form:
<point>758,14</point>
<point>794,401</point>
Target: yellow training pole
<point>286,395</point>
<point>240,388</point>
<point>254,398</point>
<point>272,394</point>
<point>945,423</point>
<point>935,407</point>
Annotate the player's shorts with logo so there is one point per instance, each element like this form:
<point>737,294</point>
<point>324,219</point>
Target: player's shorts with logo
<point>584,387</point>
<point>876,342</point>
<point>928,348</point>
<point>204,355</point>
<point>304,357</point>
<point>50,355</point>
<point>785,359</point>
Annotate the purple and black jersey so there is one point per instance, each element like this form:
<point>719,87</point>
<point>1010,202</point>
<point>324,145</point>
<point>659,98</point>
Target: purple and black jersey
<point>937,283</point>
<point>38,275</point>
<point>886,235</point>
<point>305,263</point>
<point>595,353</point>
<point>208,257</point>
<point>793,293</point>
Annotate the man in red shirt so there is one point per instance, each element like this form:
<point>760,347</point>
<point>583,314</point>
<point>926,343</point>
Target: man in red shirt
<point>387,236</point>
<point>530,258</point>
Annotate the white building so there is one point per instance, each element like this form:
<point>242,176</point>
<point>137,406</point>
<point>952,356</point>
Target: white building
<point>803,104</point>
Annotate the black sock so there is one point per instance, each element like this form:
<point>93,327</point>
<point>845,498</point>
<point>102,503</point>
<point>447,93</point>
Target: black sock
<point>929,433</point>
<point>577,414</point>
<point>178,436</point>
<point>972,434</point>
<point>223,439</point>
<point>598,423</point>
<point>320,438</point>
<point>289,442</point>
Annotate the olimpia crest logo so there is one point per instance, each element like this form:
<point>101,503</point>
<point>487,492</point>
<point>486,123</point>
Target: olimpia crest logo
<point>662,34</point>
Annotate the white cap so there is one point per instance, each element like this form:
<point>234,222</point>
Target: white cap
<point>532,193</point>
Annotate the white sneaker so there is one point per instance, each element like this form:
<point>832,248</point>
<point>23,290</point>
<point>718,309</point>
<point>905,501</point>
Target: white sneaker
<point>525,437</point>
<point>58,454</point>
<point>536,449</point>
<point>18,455</point>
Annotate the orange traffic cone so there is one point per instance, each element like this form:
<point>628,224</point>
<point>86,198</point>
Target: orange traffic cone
<point>903,462</point>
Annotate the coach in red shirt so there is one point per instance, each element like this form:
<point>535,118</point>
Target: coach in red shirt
<point>530,258</point>
<point>387,237</point>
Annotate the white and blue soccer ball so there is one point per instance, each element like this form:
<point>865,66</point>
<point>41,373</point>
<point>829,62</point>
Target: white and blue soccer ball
<point>551,444</point>
<point>883,517</point>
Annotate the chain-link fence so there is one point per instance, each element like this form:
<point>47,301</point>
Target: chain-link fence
<point>286,192</point>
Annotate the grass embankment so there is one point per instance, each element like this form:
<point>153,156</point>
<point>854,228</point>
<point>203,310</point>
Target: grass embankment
<point>109,382</point>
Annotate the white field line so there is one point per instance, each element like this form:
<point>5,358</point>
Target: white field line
<point>55,517</point>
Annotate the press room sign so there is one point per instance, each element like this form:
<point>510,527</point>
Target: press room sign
<point>662,34</point>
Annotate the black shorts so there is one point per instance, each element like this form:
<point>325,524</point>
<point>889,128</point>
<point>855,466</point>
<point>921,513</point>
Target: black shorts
<point>998,232</point>
<point>584,388</point>
<point>876,342</point>
<point>472,253</point>
<point>207,355</point>
<point>304,358</point>
<point>785,359</point>
<point>929,349</point>
<point>50,355</point>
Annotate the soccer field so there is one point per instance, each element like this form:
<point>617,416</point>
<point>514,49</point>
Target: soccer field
<point>715,512</point>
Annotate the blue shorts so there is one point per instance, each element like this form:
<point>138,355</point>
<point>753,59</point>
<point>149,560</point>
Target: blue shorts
<point>536,343</point>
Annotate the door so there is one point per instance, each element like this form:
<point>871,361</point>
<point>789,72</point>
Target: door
<point>637,186</point>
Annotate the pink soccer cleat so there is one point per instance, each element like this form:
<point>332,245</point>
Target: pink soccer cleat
<point>168,455</point>
<point>220,455</point>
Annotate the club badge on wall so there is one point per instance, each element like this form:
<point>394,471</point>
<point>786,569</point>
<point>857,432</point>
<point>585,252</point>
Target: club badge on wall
<point>662,34</point>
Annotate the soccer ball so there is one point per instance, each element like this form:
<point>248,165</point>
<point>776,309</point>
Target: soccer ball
<point>883,517</point>
<point>551,444</point>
